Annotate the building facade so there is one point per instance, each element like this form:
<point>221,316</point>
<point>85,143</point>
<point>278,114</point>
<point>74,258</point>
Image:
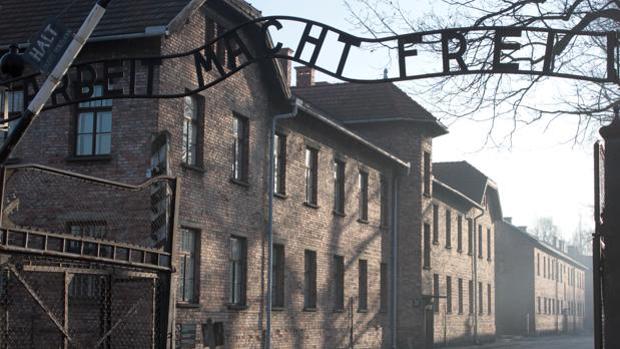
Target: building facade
<point>550,295</point>
<point>333,189</point>
<point>459,253</point>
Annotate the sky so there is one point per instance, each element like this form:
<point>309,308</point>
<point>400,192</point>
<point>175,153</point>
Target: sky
<point>541,174</point>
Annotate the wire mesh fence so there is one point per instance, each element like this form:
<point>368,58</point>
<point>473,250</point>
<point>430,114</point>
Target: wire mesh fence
<point>47,304</point>
<point>84,262</point>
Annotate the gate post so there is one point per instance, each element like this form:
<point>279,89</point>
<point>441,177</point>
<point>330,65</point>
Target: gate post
<point>611,232</point>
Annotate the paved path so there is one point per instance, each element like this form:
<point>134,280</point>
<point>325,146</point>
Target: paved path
<point>539,343</point>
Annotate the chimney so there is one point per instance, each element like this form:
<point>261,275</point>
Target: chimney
<point>508,220</point>
<point>305,76</point>
<point>286,64</point>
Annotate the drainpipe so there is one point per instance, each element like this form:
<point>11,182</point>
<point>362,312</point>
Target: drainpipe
<point>394,259</point>
<point>272,136</point>
<point>475,274</point>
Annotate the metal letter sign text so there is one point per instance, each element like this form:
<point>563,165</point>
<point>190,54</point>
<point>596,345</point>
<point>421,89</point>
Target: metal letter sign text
<point>250,43</point>
<point>48,46</point>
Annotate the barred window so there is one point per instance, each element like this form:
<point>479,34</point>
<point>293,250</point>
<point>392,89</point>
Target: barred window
<point>238,265</point>
<point>188,270</point>
<point>241,148</point>
<point>312,175</point>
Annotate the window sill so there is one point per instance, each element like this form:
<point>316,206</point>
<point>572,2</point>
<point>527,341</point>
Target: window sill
<point>240,182</point>
<point>188,305</point>
<point>339,214</point>
<point>363,221</point>
<point>310,310</point>
<point>338,310</point>
<point>435,242</point>
<point>280,196</point>
<point>274,308</point>
<point>314,206</point>
<point>88,158</point>
<point>363,311</point>
<point>237,306</point>
<point>426,267</point>
<point>194,168</point>
<point>448,247</point>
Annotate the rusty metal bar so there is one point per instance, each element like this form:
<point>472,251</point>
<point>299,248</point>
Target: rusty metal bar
<point>65,238</point>
<point>34,296</point>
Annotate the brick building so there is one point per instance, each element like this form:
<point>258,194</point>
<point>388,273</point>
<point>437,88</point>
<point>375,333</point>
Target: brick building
<point>388,117</point>
<point>459,233</point>
<point>332,224</point>
<point>549,296</point>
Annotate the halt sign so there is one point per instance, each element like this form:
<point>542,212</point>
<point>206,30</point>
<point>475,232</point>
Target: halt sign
<point>48,46</point>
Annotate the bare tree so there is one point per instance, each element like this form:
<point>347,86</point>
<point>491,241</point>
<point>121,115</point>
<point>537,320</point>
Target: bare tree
<point>510,98</point>
<point>546,231</point>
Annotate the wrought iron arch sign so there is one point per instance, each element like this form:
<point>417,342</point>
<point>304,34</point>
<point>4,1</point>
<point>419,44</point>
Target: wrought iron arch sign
<point>451,45</point>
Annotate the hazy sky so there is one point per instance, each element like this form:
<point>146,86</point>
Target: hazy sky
<point>541,175</point>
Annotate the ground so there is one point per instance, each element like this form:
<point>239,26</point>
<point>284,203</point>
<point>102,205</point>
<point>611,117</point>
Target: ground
<point>539,343</point>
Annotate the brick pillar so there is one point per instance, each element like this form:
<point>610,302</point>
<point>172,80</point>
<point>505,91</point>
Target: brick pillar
<point>305,76</point>
<point>611,233</point>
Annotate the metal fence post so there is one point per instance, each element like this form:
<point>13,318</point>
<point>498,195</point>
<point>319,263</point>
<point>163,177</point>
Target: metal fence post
<point>610,233</point>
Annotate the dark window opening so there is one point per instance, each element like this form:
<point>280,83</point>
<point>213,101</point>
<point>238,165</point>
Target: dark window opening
<point>310,279</point>
<point>278,276</point>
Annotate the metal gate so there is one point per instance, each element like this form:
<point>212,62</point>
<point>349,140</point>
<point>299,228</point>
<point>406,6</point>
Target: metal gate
<point>85,262</point>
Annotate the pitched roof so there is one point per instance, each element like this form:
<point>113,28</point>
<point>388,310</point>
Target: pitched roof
<point>22,19</point>
<point>463,177</point>
<point>353,103</point>
<point>512,229</point>
<point>469,181</point>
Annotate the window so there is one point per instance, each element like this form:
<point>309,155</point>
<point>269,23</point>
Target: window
<point>85,286</point>
<point>427,174</point>
<point>480,299</point>
<point>14,106</point>
<point>312,175</point>
<point>539,305</point>
<point>384,287</point>
<point>339,167</point>
<point>237,270</point>
<point>435,224</point>
<point>427,246</point>
<point>436,292</point>
<point>191,130</point>
<point>545,267</point>
<point>470,236</point>
<point>338,282</point>
<point>310,279</point>
<point>278,276</point>
<point>489,244</point>
<point>94,126</point>
<point>279,148</point>
<point>241,148</point>
<point>363,183</point>
<point>480,252</point>
<point>538,264</point>
<point>471,297</point>
<point>459,233</point>
<point>385,197</point>
<point>460,285</point>
<point>187,291</point>
<point>448,294</point>
<point>186,336</point>
<point>363,285</point>
<point>448,228</point>
<point>489,300</point>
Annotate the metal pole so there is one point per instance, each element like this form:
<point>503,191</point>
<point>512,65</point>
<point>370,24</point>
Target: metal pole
<point>271,173</point>
<point>596,251</point>
<point>52,81</point>
<point>610,231</point>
